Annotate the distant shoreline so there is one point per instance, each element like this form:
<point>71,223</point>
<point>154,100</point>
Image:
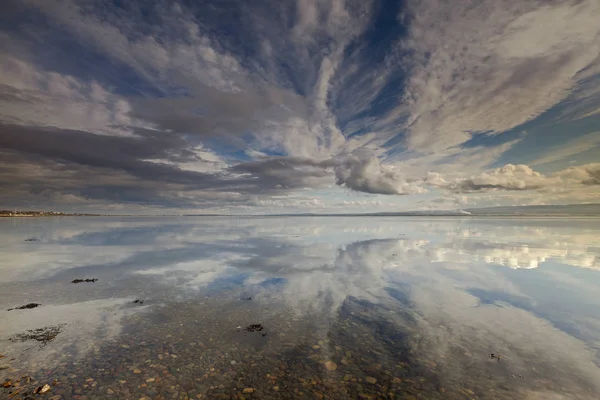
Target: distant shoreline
<point>41,214</point>
<point>512,216</point>
<point>535,211</point>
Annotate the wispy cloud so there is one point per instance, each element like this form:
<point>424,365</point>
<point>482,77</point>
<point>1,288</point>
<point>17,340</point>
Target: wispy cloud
<point>492,66</point>
<point>572,148</point>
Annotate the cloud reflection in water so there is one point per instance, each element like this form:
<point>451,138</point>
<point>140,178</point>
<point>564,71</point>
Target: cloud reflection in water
<point>542,312</point>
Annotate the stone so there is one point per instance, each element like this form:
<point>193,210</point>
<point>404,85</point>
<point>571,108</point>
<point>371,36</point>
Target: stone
<point>57,397</point>
<point>137,371</point>
<point>316,346</point>
<point>371,380</point>
<point>44,388</point>
<point>276,388</point>
<point>248,390</point>
<point>331,366</point>
<point>150,380</point>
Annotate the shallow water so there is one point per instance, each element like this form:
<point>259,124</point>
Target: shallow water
<point>349,307</point>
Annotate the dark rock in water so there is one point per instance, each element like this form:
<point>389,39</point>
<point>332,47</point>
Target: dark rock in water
<point>254,328</point>
<point>43,335</point>
<point>249,298</point>
<point>32,240</point>
<point>137,301</point>
<point>83,280</point>
<point>26,306</point>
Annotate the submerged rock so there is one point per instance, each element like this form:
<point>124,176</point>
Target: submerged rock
<point>254,328</point>
<point>43,335</point>
<point>26,306</point>
<point>84,280</point>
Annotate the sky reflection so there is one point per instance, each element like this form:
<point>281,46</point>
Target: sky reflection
<point>524,288</point>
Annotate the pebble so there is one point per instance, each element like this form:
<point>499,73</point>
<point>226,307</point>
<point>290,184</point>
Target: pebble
<point>137,371</point>
<point>331,366</point>
<point>371,380</point>
<point>57,397</point>
<point>276,388</point>
<point>248,390</point>
<point>150,380</point>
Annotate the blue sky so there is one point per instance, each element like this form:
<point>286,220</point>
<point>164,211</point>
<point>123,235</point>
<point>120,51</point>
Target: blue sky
<point>291,106</point>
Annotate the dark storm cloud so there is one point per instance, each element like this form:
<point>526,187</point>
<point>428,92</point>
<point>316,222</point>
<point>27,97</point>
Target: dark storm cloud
<point>289,172</point>
<point>120,153</point>
<point>113,168</point>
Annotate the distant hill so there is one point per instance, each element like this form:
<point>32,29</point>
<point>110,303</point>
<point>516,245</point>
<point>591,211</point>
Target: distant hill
<point>549,210</point>
<point>573,210</point>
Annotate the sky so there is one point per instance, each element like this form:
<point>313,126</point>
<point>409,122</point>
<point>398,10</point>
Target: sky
<point>281,106</point>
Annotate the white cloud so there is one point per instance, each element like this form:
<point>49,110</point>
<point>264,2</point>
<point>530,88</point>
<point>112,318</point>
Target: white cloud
<point>476,68</point>
<point>157,59</point>
<point>367,174</point>
<point>42,98</point>
<point>588,174</point>
<point>508,177</point>
<point>203,160</point>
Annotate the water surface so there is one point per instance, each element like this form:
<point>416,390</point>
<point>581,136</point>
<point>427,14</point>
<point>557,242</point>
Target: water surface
<point>348,307</point>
